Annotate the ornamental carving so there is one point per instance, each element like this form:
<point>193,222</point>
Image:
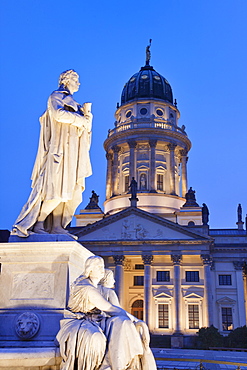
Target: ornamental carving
<point>206,259</point>
<point>239,265</point>
<point>132,144</point>
<point>119,259</point>
<point>171,146</point>
<point>109,156</point>
<point>147,259</point>
<point>183,152</point>
<point>176,259</point>
<point>116,148</point>
<point>27,325</point>
<point>152,143</point>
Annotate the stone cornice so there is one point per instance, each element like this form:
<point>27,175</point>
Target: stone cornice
<point>142,132</point>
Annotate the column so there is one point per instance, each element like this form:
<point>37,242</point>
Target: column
<point>152,144</point>
<point>171,148</point>
<point>109,157</point>
<point>239,266</point>
<point>184,159</point>
<point>119,277</point>
<point>176,259</point>
<point>208,301</point>
<point>116,150</point>
<point>147,260</point>
<point>132,145</point>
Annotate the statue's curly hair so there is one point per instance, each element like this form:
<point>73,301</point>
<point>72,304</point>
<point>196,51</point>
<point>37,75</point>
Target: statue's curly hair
<point>66,76</point>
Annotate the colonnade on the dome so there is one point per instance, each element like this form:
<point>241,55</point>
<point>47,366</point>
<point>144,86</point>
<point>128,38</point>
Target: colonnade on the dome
<point>157,166</point>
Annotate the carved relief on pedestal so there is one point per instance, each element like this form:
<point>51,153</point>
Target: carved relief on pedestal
<point>27,325</point>
<point>33,286</point>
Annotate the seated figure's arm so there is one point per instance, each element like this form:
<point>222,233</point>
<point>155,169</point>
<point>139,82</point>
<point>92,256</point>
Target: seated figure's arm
<point>102,304</point>
<point>56,105</point>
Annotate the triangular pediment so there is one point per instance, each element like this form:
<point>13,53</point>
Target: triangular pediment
<point>135,224</point>
<point>193,296</point>
<point>226,300</point>
<point>162,295</point>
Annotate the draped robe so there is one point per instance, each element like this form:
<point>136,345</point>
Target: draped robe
<point>62,162</point>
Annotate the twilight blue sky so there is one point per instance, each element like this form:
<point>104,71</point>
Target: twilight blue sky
<point>199,46</point>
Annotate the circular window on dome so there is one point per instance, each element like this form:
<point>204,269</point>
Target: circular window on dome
<point>132,79</point>
<point>143,111</point>
<point>128,114</point>
<point>159,112</point>
<point>144,77</point>
<point>157,78</point>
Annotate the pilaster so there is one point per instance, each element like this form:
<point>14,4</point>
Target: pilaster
<point>184,159</point>
<point>152,144</point>
<point>147,260</point>
<point>119,276</point>
<point>239,268</point>
<point>132,146</point>
<point>208,303</point>
<point>171,148</point>
<point>109,157</point>
<point>116,150</point>
<point>177,259</point>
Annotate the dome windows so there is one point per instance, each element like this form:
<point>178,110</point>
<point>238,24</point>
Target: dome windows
<point>144,77</point>
<point>128,113</point>
<point>157,78</point>
<point>143,111</point>
<point>159,112</point>
<point>132,79</point>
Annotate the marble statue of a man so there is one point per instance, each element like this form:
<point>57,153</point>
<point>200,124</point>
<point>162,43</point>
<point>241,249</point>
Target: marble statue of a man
<point>62,162</point>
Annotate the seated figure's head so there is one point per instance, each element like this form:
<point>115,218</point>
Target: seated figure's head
<point>108,280</point>
<point>94,267</point>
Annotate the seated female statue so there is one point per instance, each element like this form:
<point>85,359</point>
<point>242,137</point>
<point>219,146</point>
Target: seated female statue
<point>96,334</point>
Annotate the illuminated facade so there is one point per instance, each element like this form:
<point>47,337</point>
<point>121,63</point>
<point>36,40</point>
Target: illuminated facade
<point>171,269</point>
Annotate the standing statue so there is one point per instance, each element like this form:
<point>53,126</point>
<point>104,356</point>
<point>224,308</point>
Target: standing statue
<point>205,214</point>
<point>96,333</point>
<point>133,188</point>
<point>62,162</point>
<point>239,213</point>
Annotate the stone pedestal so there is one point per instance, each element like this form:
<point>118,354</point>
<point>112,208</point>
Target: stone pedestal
<point>34,287</point>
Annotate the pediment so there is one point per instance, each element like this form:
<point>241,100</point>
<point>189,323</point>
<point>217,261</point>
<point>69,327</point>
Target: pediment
<point>135,224</point>
<point>226,300</point>
<point>193,296</point>
<point>161,295</point>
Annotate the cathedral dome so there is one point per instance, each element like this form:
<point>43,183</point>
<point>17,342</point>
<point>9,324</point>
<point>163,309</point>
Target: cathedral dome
<point>147,83</point>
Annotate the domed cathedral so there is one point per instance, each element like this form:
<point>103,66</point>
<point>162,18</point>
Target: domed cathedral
<point>148,145</point>
<point>170,268</point>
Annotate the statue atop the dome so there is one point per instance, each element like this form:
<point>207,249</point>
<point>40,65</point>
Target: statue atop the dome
<point>190,199</point>
<point>62,162</point>
<point>148,53</point>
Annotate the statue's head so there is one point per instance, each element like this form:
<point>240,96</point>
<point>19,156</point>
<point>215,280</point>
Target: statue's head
<point>70,80</point>
<point>94,267</point>
<point>108,280</point>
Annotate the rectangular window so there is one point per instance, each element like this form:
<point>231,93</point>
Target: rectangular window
<point>139,267</point>
<point>163,316</point>
<point>159,182</point>
<point>227,318</point>
<point>163,276</point>
<point>192,276</point>
<point>126,183</point>
<point>138,280</point>
<point>225,279</point>
<point>193,312</point>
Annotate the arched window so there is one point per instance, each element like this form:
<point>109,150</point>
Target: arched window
<point>137,309</point>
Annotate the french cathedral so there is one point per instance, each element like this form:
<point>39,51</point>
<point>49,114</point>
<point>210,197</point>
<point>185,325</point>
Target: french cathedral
<point>171,269</point>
